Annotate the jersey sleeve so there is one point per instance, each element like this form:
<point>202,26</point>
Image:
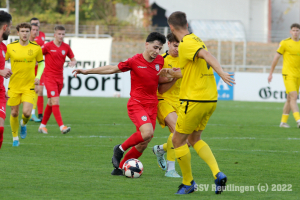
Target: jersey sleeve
<point>39,56</point>
<point>7,54</point>
<point>70,53</point>
<point>125,65</point>
<point>44,49</point>
<point>190,48</point>
<point>281,47</point>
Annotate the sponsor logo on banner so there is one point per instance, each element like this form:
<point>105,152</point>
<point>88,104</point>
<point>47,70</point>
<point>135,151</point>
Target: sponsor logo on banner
<point>267,93</point>
<point>225,92</point>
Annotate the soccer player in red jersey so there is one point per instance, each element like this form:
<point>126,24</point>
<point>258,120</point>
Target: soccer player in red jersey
<point>142,105</point>
<point>55,54</point>
<point>40,40</point>
<point>5,25</point>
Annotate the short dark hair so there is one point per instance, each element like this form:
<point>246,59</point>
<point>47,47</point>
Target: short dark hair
<point>156,36</point>
<point>34,18</point>
<point>295,25</point>
<point>34,24</point>
<point>178,20</point>
<point>171,38</point>
<point>59,27</point>
<point>23,25</point>
<point>5,18</point>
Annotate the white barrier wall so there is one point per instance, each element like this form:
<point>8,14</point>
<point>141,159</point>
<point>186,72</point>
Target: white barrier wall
<point>255,87</point>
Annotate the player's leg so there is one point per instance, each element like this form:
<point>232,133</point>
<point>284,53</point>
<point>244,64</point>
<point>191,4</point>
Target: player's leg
<point>27,108</point>
<point>294,106</point>
<point>285,113</point>
<point>2,117</point>
<point>1,129</point>
<point>14,124</point>
<point>40,101</point>
<point>14,101</point>
<point>47,114</point>
<point>33,116</point>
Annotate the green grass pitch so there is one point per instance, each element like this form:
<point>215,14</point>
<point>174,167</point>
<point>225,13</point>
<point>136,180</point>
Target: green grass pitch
<point>244,136</point>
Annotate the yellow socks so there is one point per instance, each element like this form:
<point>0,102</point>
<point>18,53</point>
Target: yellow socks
<point>165,147</point>
<point>284,118</point>
<point>14,124</point>
<point>296,116</point>
<point>183,156</point>
<point>25,119</point>
<point>206,154</point>
<point>170,149</point>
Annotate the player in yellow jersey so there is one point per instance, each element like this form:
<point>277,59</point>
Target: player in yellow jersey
<point>23,55</point>
<point>290,49</point>
<point>168,104</point>
<point>198,96</point>
<point>33,34</point>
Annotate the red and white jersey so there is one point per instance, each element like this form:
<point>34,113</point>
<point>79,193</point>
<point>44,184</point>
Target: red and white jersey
<point>144,78</point>
<point>40,40</point>
<point>55,58</point>
<point>3,50</point>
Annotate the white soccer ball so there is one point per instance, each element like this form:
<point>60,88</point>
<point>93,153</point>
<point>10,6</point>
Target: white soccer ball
<point>133,168</point>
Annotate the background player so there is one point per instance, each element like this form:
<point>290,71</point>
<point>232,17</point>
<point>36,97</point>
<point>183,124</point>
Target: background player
<point>168,104</point>
<point>39,98</point>
<point>33,34</point>
<point>55,55</point>
<point>142,105</point>
<point>199,96</point>
<point>290,49</point>
<point>23,55</point>
<point>5,25</point>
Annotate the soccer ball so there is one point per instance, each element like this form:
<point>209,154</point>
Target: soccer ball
<point>133,168</point>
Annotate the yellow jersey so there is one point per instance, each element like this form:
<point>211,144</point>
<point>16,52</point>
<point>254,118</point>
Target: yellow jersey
<point>173,93</point>
<point>198,82</point>
<point>23,60</point>
<point>290,50</point>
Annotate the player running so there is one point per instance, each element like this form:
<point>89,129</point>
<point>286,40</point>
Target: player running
<point>168,104</point>
<point>290,49</point>
<point>199,99</point>
<point>23,55</point>
<point>39,98</point>
<point>142,105</point>
<point>5,25</point>
<point>55,54</point>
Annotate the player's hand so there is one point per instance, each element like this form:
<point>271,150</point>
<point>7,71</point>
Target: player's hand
<point>36,81</point>
<point>36,88</point>
<point>6,73</point>
<point>270,78</point>
<point>6,96</point>
<point>227,78</point>
<point>72,63</point>
<point>166,72</point>
<point>78,71</point>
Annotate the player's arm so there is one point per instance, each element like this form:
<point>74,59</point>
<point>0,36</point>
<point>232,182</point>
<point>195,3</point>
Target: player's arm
<point>108,69</point>
<point>213,62</point>
<point>163,87</point>
<point>170,72</point>
<point>6,72</point>
<point>274,63</point>
<point>73,62</point>
<point>41,66</point>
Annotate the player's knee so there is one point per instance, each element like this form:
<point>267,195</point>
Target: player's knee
<point>27,115</point>
<point>14,114</point>
<point>147,134</point>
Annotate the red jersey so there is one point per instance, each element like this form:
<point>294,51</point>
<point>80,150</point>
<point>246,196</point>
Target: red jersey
<point>40,40</point>
<point>144,79</point>
<point>55,58</point>
<point>3,50</point>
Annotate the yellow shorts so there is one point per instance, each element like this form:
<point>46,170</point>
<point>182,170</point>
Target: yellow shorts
<point>291,83</point>
<point>164,108</point>
<point>16,98</point>
<point>193,116</point>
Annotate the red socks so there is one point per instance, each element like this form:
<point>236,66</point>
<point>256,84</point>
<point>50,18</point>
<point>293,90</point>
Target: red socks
<point>1,135</point>
<point>132,153</point>
<point>57,115</point>
<point>40,104</point>
<point>133,140</point>
<point>47,114</point>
